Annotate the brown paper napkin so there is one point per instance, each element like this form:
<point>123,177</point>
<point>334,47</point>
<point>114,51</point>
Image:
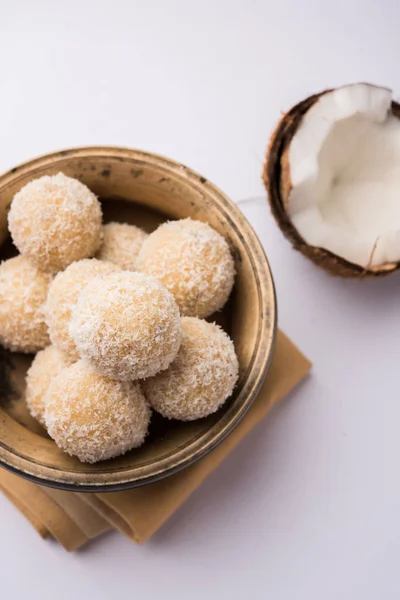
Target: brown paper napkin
<point>44,509</point>
<point>73,519</point>
<point>35,522</point>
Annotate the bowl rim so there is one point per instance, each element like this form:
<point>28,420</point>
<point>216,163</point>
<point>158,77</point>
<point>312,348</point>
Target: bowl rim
<point>128,478</point>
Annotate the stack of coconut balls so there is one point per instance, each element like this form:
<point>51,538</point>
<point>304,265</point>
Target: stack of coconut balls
<point>118,334</point>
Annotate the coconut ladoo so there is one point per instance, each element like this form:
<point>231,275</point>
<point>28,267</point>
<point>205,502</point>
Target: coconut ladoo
<point>333,179</point>
<point>63,295</point>
<point>55,220</point>
<point>23,292</point>
<point>121,245</point>
<point>93,417</point>
<point>200,379</point>
<point>193,261</point>
<point>46,365</point>
<point>127,325</point>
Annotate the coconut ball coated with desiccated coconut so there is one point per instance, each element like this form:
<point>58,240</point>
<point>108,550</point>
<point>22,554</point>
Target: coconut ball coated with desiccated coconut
<point>193,262</point>
<point>202,376</point>
<point>121,244</point>
<point>63,296</point>
<point>94,417</point>
<point>55,220</point>
<point>127,325</point>
<point>23,291</point>
<point>46,365</point>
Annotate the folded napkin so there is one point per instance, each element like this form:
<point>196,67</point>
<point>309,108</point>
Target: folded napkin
<point>74,519</point>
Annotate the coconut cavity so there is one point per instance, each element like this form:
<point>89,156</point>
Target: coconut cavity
<point>343,166</point>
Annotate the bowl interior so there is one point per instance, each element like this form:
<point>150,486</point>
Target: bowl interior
<point>145,190</point>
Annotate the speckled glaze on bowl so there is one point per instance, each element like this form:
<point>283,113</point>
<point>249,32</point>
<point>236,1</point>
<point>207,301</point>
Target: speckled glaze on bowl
<point>144,189</point>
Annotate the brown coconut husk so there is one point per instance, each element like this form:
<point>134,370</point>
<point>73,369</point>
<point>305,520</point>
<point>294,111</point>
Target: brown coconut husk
<point>276,176</point>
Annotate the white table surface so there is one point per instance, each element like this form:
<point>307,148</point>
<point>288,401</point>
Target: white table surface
<point>308,506</point>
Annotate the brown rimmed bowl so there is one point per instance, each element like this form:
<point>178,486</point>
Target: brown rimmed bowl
<point>144,189</point>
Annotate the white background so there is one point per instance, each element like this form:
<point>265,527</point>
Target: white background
<point>308,506</point>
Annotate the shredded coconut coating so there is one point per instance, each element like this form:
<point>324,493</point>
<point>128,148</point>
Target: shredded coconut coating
<point>46,365</point>
<point>63,296</point>
<point>121,244</point>
<point>193,262</point>
<point>23,291</point>
<point>93,417</point>
<point>201,377</point>
<point>126,325</point>
<point>55,220</point>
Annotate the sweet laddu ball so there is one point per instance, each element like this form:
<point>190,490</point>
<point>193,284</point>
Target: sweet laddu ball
<point>63,296</point>
<point>127,325</point>
<point>23,291</point>
<point>46,365</point>
<point>201,377</point>
<point>94,417</point>
<point>193,262</point>
<point>121,244</point>
<point>55,220</point>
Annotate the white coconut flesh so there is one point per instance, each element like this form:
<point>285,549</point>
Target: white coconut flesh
<point>344,164</point>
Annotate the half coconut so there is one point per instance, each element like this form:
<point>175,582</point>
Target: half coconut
<point>333,179</point>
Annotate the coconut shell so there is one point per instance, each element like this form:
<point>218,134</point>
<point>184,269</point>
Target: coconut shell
<point>276,176</point>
